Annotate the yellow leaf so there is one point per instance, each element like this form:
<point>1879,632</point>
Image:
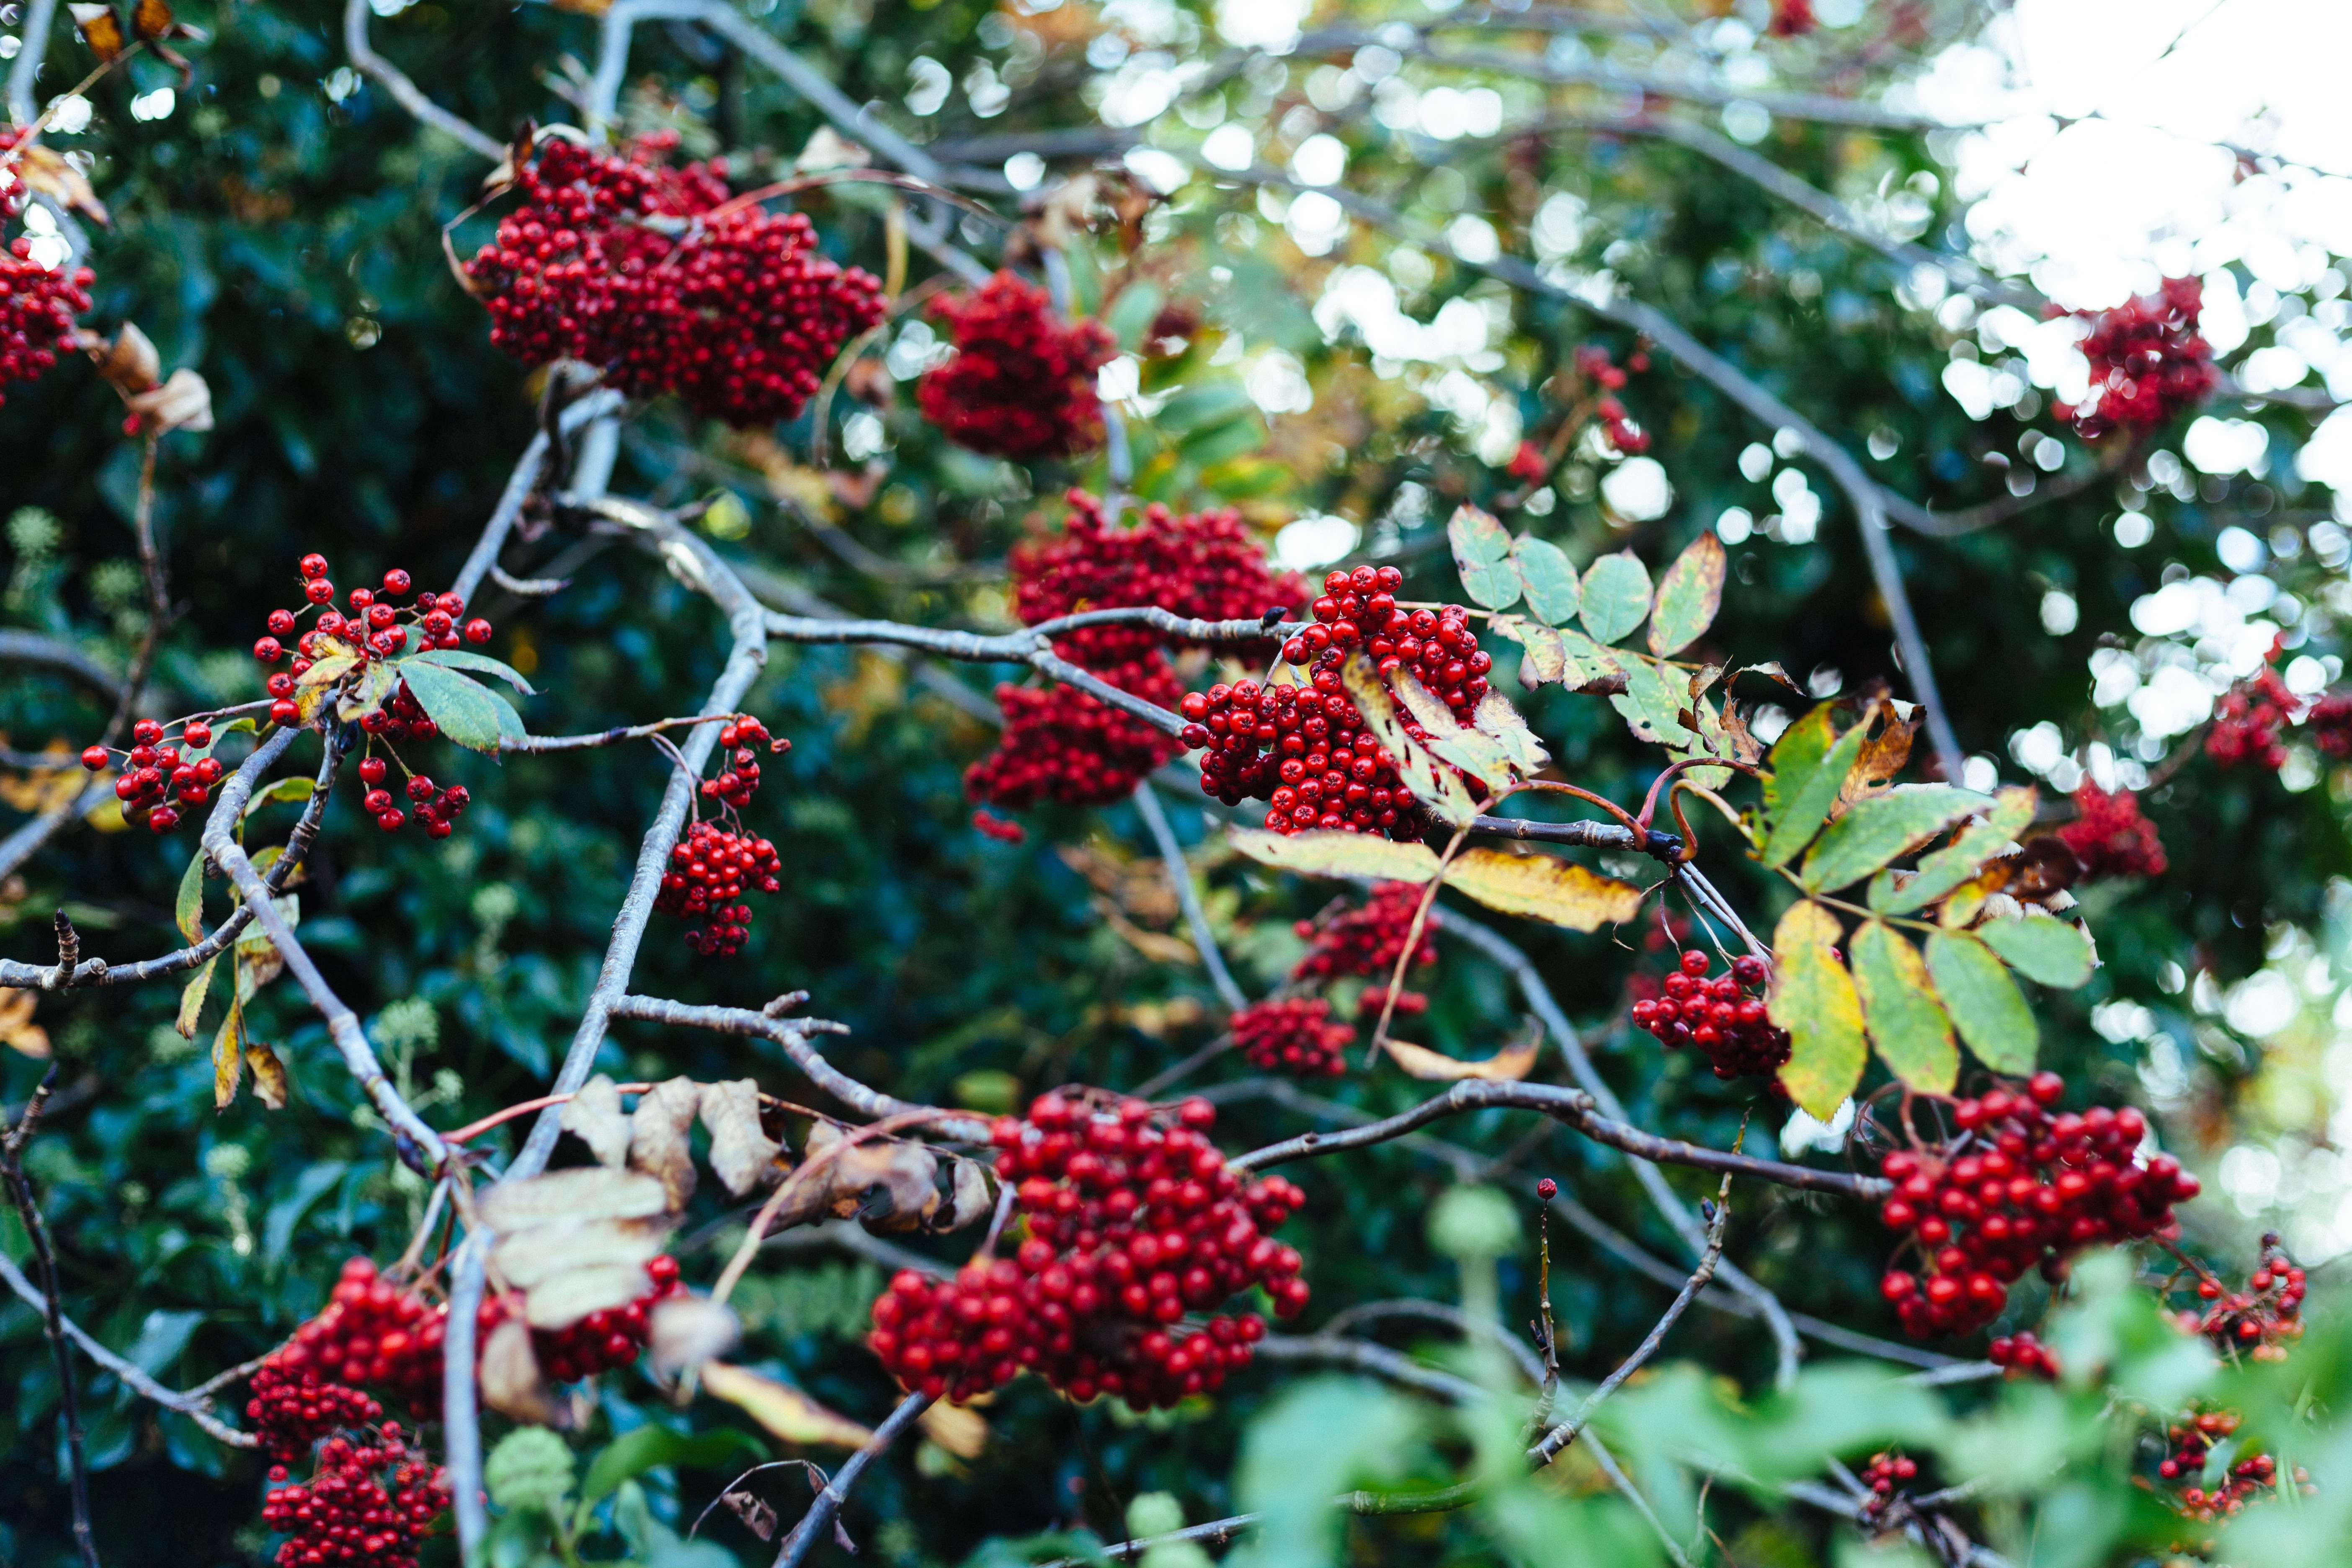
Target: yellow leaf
<point>1813,998</point>
<point>229,1058</point>
<point>958,1429</point>
<point>268,1075</point>
<point>782,1409</point>
<point>1435,785</point>
<point>1508,1065</point>
<point>1544,888</point>
<point>17,1026</point>
<point>1332,853</point>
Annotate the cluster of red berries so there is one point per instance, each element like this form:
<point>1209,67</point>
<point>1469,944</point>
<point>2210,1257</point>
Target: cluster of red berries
<point>1304,750</point>
<point>1061,745</point>
<point>1725,1017</point>
<point>348,1513</point>
<point>2110,837</point>
<point>739,739</point>
<point>2248,719</point>
<point>1021,383</point>
<point>1886,1475</point>
<point>375,628</point>
<point>1131,1224</point>
<point>601,1342</point>
<point>2147,362</point>
<point>1594,364</point>
<point>2188,1444</point>
<point>709,869</point>
<point>158,778</point>
<point>433,808</point>
<point>2260,1318</point>
<point>1296,1035</point>
<point>2023,1355</point>
<point>654,275</point>
<point>1367,941</point>
<point>990,825</point>
<point>2330,723</point>
<point>37,306</point>
<point>2017,1187</point>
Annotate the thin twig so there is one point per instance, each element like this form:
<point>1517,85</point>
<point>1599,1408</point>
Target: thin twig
<point>405,92</point>
<point>20,1191</point>
<point>1179,881</point>
<point>803,1538</point>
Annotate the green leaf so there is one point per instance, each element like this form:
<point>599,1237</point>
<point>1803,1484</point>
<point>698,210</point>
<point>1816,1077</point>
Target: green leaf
<point>1131,314</point>
<point>1653,702</point>
<point>510,721</point>
<point>2043,947</point>
<point>1876,830</point>
<point>1984,1002</point>
<point>283,790</point>
<point>1559,655</point>
<point>1543,888</point>
<point>1688,596</point>
<point>463,710</point>
<point>327,671</point>
<point>1481,756</point>
<point>1432,784</point>
<point>1336,854</point>
<point>480,663</point>
<point>1221,443</point>
<point>1204,407</point>
<point>1939,873</point>
<point>1616,596</point>
<point>1898,1005</point>
<point>192,998</point>
<point>188,909</point>
<point>1549,578</point>
<point>1482,553</point>
<point>1794,758</point>
<point>1806,800</point>
<point>633,1453</point>
<point>1813,998</point>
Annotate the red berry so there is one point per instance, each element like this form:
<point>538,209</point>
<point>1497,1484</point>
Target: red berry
<point>396,581</point>
<point>284,712</point>
<point>95,758</point>
<point>478,630</point>
<point>314,565</point>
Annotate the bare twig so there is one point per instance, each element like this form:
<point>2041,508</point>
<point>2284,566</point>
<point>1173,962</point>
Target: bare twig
<point>405,92</point>
<point>525,479</point>
<point>1179,881</point>
<point>820,1513</point>
<point>20,1192</point>
<point>32,647</point>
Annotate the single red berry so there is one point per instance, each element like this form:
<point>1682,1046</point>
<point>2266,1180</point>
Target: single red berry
<point>372,770</point>
<point>396,581</point>
<point>478,630</point>
<point>147,732</point>
<point>314,565</point>
<point>1546,1189</point>
<point>317,590</point>
<point>268,650</point>
<point>94,758</point>
<point>284,712</point>
<point>197,734</point>
<point>420,787</point>
<point>392,821</point>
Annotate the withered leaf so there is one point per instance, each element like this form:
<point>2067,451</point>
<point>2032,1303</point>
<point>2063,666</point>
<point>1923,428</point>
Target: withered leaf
<point>182,403</point>
<point>564,1300</point>
<point>889,1185</point>
<point>228,1058</point>
<point>958,1428</point>
<point>528,1258</point>
<point>829,149</point>
<point>48,172</point>
<point>511,1382</point>
<point>969,1198</point>
<point>151,19</point>
<point>100,30</point>
<point>594,1117</point>
<point>658,1136</point>
<point>127,360</point>
<point>17,1026</point>
<point>2045,866</point>
<point>783,1409</point>
<point>740,1153</point>
<point>1506,1066</point>
<point>757,1516</point>
<point>689,1330</point>
<point>1884,753</point>
<point>268,1075</point>
<point>586,1193</point>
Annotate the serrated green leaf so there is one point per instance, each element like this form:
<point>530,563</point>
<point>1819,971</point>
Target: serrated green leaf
<point>1557,654</point>
<point>1615,597</point>
<point>1984,1002</point>
<point>464,710</point>
<point>1813,998</point>
<point>1478,755</point>
<point>1336,854</point>
<point>2056,952</point>
<point>1876,830</point>
<point>1688,596</point>
<point>188,909</point>
<point>1651,703</point>
<point>1906,1021</point>
<point>1939,873</point>
<point>1794,758</point>
<point>1549,579</point>
<point>1432,784</point>
<point>192,998</point>
<point>283,790</point>
<point>479,663</point>
<point>1500,722</point>
<point>1482,554</point>
<point>1131,314</point>
<point>1543,888</point>
<point>1805,802</point>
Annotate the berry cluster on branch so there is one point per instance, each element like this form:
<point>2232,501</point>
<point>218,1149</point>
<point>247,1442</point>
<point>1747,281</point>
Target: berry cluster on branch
<point>158,778</point>
<point>2187,1443</point>
<point>654,275</point>
<point>1367,941</point>
<point>1725,1017</point>
<point>1295,1035</point>
<point>2022,1354</point>
<point>367,1506</point>
<point>1021,382</point>
<point>2018,1187</point>
<point>717,863</point>
<point>2247,720</point>
<point>2258,1320</point>
<point>2110,837</point>
<point>1886,1476</point>
<point>1131,1224</point>
<point>37,306</point>
<point>2147,362</point>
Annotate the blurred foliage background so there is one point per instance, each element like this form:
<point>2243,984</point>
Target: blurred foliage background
<point>275,224</point>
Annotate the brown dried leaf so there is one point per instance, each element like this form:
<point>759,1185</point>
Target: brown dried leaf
<point>1740,743</point>
<point>741,1155</point>
<point>511,1382</point>
<point>1506,1066</point>
<point>17,1026</point>
<point>229,1058</point>
<point>100,30</point>
<point>589,1192</point>
<point>757,1516</point>
<point>783,1409</point>
<point>1882,758</point>
<point>969,1201</point>
<point>569,1296</point>
<point>689,1330</point>
<point>182,403</point>
<point>594,1117</point>
<point>889,1185</point>
<point>658,1136</point>
<point>126,361</point>
<point>2046,865</point>
<point>268,1075</point>
<point>151,19</point>
<point>528,1258</point>
<point>48,172</point>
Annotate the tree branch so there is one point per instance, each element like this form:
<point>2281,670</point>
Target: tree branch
<point>1180,880</point>
<point>803,1538</point>
<point>31,648</point>
<point>524,480</point>
<point>407,93</point>
<point>20,1192</point>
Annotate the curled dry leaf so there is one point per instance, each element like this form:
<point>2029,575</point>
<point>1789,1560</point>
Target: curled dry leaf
<point>127,360</point>
<point>100,30</point>
<point>268,1075</point>
<point>1508,1065</point>
<point>782,1408</point>
<point>658,1136</point>
<point>513,1383</point>
<point>564,1300</point>
<point>829,149</point>
<point>689,1330</point>
<point>741,1154</point>
<point>594,1117</point>
<point>48,172</point>
<point>152,19</point>
<point>757,1516</point>
<point>182,403</point>
<point>585,1193</point>
<point>528,1258</point>
<point>16,1026</point>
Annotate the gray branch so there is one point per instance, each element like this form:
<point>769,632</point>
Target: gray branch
<point>1179,881</point>
<point>31,648</point>
<point>521,482</point>
<point>407,93</point>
